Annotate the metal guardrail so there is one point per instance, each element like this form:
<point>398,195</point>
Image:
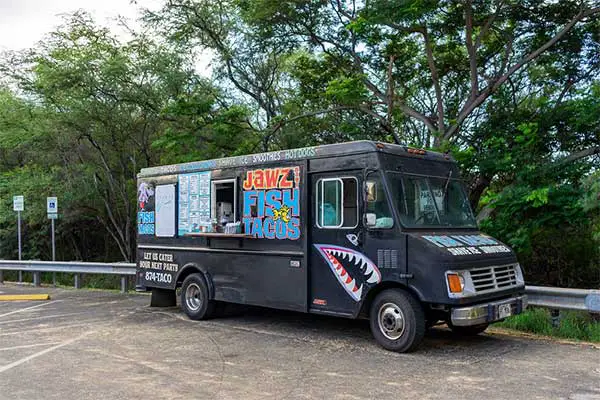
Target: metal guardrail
<point>125,270</point>
<point>564,298</point>
<point>540,296</point>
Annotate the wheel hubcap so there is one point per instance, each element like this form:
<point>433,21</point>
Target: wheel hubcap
<point>193,297</point>
<point>391,321</point>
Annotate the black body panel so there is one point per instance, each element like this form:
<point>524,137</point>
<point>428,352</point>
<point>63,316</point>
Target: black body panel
<point>331,270</point>
<point>428,264</point>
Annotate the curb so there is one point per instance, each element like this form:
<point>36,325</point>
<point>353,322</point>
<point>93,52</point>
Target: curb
<point>24,297</point>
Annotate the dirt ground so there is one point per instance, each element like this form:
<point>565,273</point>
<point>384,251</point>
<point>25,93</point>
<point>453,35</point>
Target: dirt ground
<point>86,344</point>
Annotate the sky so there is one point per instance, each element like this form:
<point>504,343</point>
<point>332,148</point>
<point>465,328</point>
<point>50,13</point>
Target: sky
<point>23,23</point>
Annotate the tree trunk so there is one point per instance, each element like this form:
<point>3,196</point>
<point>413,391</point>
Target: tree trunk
<point>477,189</point>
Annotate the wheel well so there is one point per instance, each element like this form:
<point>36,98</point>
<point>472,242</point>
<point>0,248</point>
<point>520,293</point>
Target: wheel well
<point>366,306</point>
<point>187,271</point>
<point>194,269</point>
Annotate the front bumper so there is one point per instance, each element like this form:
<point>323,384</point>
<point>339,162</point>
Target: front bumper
<point>487,312</point>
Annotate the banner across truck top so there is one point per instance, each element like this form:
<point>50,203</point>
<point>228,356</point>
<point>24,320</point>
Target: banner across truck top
<point>284,155</point>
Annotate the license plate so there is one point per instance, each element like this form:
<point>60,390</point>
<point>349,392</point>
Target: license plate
<point>504,311</point>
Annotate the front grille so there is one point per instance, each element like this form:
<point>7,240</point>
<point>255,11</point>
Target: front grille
<point>488,279</point>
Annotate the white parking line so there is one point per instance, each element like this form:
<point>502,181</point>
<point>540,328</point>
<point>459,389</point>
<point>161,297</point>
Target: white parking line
<point>26,346</point>
<point>41,353</point>
<point>28,308</point>
<point>42,317</point>
<point>39,330</point>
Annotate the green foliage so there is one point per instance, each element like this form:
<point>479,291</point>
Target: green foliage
<point>346,90</point>
<point>102,111</point>
<point>537,197</point>
<point>591,202</point>
<point>572,324</point>
<point>85,111</point>
<point>550,231</point>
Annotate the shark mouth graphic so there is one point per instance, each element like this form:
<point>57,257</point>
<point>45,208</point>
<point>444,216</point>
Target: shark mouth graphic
<point>333,255</point>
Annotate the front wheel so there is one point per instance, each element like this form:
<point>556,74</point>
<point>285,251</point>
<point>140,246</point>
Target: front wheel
<point>194,298</point>
<point>397,320</point>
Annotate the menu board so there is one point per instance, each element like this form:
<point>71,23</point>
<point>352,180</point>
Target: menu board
<point>194,201</point>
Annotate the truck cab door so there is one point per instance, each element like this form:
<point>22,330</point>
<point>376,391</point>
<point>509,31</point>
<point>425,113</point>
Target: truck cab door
<point>384,242</point>
<point>337,261</point>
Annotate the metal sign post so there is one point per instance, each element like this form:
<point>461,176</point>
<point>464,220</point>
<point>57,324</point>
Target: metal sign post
<point>52,209</point>
<point>18,206</point>
<point>53,245</point>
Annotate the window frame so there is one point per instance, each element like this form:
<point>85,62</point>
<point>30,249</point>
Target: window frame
<point>319,213</point>
<point>382,178</point>
<point>213,197</point>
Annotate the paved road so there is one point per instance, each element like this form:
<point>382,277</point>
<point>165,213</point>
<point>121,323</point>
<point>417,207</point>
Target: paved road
<point>103,345</point>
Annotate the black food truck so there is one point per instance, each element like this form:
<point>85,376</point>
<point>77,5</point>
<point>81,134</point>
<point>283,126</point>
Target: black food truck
<point>356,230</point>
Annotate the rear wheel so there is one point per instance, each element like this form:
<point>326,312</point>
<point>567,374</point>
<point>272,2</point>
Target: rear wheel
<point>468,330</point>
<point>397,320</point>
<point>194,298</point>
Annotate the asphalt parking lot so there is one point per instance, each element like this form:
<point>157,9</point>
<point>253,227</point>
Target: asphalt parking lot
<point>85,344</point>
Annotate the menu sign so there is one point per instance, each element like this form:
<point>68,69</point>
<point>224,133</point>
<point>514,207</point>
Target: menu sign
<point>194,201</point>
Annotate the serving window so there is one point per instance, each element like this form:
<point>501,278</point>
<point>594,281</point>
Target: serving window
<point>224,206</point>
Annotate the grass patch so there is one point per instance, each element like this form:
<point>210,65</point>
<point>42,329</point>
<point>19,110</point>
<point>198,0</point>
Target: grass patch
<point>573,324</point>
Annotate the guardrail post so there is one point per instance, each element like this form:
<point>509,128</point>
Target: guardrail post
<point>77,281</point>
<point>124,283</point>
<point>555,315</point>
<point>37,279</point>
<point>1,276</point>
<point>20,277</point>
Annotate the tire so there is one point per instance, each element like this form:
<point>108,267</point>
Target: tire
<point>194,298</point>
<point>468,330</point>
<point>397,321</point>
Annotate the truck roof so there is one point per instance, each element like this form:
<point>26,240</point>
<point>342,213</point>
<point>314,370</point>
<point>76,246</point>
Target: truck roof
<point>323,151</point>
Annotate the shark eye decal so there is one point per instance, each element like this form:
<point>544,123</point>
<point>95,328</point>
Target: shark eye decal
<point>352,238</point>
<point>340,259</point>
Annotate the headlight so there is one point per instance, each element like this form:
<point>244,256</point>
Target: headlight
<point>519,275</point>
<point>456,282</point>
<point>459,284</point>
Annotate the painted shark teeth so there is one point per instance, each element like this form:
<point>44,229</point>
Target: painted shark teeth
<point>333,254</point>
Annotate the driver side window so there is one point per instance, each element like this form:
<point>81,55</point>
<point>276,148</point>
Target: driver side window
<point>377,203</point>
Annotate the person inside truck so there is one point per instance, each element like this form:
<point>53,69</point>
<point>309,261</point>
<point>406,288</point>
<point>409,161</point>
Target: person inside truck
<point>330,216</point>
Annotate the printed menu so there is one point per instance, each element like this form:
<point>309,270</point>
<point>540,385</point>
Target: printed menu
<point>194,201</point>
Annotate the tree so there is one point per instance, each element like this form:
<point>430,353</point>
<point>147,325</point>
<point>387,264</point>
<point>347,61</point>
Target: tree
<point>110,108</point>
<point>434,62</point>
<point>537,198</point>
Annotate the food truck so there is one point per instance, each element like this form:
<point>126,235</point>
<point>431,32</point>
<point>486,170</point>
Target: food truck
<point>356,230</point>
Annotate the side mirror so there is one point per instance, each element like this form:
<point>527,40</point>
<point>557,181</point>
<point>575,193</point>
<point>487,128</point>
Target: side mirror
<point>371,191</point>
<point>370,220</point>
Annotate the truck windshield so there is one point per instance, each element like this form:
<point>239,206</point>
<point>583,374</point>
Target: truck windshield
<point>424,201</point>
